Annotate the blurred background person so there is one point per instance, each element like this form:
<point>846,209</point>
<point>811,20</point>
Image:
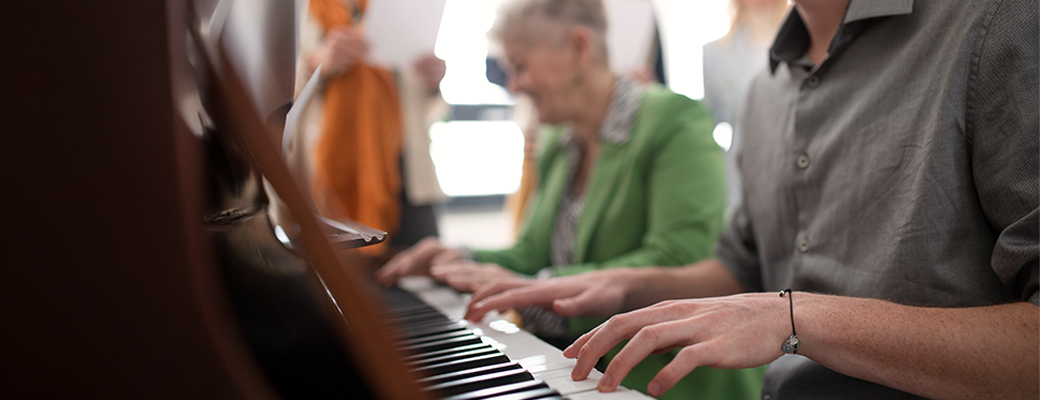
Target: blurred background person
<point>629,176</point>
<point>729,65</point>
<point>368,139</point>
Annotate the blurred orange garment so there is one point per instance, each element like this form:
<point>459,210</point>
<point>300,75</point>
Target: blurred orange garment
<point>357,173</point>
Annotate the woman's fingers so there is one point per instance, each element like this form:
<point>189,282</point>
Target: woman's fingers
<point>414,261</point>
<point>589,301</point>
<point>478,307</point>
<point>468,276</point>
<point>497,287</point>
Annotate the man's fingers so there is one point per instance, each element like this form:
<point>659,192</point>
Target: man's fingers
<point>573,350</point>
<point>684,362</point>
<point>646,341</point>
<point>604,338</point>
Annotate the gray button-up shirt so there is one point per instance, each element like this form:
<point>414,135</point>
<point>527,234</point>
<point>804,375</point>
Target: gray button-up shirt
<point>903,167</point>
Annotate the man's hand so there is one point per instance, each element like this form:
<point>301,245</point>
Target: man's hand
<point>467,277</point>
<point>417,260</point>
<point>741,331</point>
<point>599,293</point>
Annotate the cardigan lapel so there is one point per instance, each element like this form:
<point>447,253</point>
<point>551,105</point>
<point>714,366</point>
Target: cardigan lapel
<point>615,135</point>
<point>600,189</point>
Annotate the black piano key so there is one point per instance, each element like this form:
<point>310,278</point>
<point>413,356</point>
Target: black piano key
<point>428,356</point>
<point>446,358</point>
<point>434,338</point>
<point>487,369</point>
<point>500,390</point>
<point>417,319</point>
<point>442,344</point>
<point>481,382</point>
<point>416,331</point>
<point>463,364</point>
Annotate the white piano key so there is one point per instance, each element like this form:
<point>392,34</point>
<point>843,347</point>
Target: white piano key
<point>621,393</point>
<point>567,387</point>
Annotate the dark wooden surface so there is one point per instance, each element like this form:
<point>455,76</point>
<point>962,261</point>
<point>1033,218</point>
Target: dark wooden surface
<point>107,288</point>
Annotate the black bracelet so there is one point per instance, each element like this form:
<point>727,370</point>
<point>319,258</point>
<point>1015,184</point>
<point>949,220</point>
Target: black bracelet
<point>791,345</point>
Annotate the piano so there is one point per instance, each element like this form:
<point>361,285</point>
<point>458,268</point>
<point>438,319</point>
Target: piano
<point>161,247</point>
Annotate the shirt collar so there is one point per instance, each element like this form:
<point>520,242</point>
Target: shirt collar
<point>792,40</point>
<point>616,127</point>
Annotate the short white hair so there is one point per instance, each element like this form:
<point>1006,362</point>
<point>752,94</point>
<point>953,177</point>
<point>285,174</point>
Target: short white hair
<point>526,14</point>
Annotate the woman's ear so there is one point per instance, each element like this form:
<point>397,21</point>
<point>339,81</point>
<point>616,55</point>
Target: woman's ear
<point>581,43</point>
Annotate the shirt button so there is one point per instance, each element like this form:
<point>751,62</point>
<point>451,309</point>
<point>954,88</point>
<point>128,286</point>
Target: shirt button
<point>803,244</point>
<point>803,161</point>
<point>813,81</point>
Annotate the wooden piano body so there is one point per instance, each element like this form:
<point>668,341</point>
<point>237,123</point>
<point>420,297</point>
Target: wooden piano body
<point>141,260</point>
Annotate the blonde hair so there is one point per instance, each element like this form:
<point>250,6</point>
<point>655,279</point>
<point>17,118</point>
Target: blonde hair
<point>527,15</point>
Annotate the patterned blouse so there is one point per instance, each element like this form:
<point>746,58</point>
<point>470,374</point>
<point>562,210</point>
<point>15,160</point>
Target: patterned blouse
<point>616,128</point>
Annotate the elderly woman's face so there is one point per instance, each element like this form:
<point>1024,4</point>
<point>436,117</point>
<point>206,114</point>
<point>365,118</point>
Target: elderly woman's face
<point>545,71</point>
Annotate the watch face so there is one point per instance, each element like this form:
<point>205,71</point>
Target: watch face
<point>791,345</point>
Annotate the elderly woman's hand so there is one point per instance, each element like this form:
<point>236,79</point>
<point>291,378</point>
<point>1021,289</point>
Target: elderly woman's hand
<point>597,293</point>
<point>417,260</point>
<point>741,331</point>
<point>469,276</point>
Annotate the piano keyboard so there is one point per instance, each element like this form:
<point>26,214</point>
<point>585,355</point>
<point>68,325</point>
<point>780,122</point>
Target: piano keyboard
<point>493,359</point>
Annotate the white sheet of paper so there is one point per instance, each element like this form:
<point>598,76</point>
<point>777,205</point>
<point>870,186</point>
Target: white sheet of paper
<point>630,33</point>
<point>401,31</point>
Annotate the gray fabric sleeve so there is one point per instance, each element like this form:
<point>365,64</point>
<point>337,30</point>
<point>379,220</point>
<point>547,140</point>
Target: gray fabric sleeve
<point>737,251</point>
<point>1003,127</point>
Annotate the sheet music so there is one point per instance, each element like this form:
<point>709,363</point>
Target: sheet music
<point>630,33</point>
<point>401,31</point>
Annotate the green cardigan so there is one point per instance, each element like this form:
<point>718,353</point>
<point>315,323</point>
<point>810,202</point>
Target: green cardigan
<point>657,200</point>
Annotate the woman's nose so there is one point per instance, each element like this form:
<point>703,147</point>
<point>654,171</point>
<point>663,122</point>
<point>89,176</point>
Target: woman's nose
<point>513,83</point>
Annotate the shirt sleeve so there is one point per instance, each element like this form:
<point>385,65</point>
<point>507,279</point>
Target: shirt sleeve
<point>1003,128</point>
<point>736,250</point>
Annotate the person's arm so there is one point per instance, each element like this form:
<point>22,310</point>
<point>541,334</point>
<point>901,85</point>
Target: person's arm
<point>605,292</point>
<point>983,352</point>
